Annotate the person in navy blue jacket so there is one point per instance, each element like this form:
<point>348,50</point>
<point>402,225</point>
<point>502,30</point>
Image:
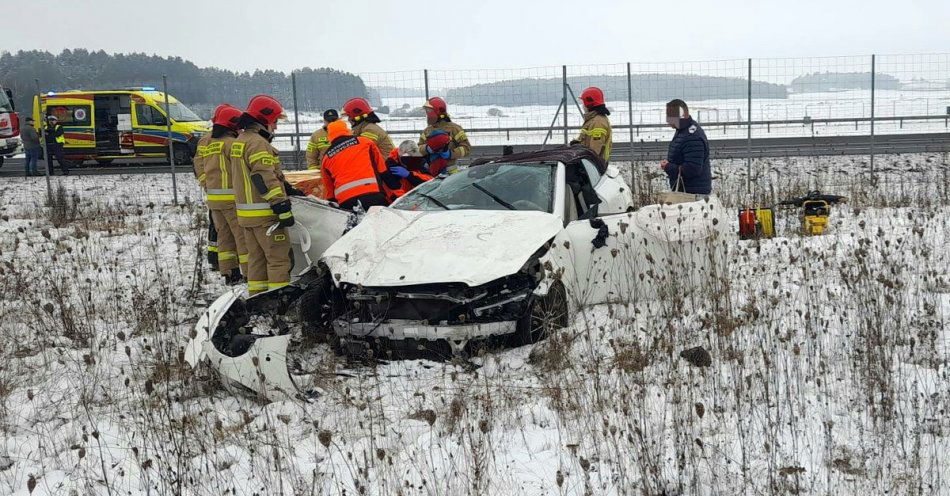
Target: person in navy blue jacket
<point>687,162</point>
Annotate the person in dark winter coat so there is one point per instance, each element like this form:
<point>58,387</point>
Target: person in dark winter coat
<point>31,146</point>
<point>687,162</point>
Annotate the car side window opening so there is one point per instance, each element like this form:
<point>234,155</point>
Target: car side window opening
<point>579,187</point>
<point>592,173</point>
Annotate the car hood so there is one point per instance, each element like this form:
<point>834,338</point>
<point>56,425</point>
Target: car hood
<point>393,247</point>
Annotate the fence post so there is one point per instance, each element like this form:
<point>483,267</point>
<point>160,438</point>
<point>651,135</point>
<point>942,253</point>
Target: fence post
<point>873,77</point>
<point>748,163</point>
<point>171,143</point>
<point>633,167</point>
<point>293,88</point>
<point>42,124</point>
<point>425,78</point>
<point>564,91</point>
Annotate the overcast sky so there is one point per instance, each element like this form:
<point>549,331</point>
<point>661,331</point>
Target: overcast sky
<point>379,35</point>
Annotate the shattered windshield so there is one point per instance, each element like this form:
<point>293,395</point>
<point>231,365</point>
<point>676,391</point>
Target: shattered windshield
<point>486,187</point>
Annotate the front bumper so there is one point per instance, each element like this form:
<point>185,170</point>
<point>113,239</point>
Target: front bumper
<point>8,146</point>
<point>399,330</point>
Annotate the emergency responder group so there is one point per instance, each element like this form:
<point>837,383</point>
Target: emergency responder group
<point>248,195</point>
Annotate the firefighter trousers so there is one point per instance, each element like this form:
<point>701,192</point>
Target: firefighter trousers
<point>231,248</point>
<point>268,259</point>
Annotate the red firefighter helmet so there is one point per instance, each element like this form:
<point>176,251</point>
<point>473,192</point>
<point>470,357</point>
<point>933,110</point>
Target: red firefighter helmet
<point>265,109</point>
<point>357,108</point>
<point>436,104</point>
<point>227,116</point>
<point>592,97</point>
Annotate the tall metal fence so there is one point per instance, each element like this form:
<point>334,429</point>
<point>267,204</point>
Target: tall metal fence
<point>749,108</point>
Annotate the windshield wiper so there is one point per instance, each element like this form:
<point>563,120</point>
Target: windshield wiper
<point>433,200</point>
<point>494,197</point>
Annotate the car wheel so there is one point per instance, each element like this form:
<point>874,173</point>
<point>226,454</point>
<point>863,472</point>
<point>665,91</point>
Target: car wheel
<point>316,308</point>
<point>545,314</point>
<point>182,154</point>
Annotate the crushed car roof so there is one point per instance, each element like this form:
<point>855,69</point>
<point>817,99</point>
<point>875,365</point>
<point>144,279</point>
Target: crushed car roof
<point>566,154</point>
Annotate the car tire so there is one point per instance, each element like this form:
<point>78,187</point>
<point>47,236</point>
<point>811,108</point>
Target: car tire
<point>316,308</point>
<point>545,314</point>
<point>182,154</point>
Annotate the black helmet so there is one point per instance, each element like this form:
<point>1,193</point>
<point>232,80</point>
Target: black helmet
<point>330,115</point>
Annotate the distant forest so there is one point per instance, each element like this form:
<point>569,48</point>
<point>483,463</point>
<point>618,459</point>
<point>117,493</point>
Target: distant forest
<point>645,88</point>
<point>839,81</point>
<point>200,88</point>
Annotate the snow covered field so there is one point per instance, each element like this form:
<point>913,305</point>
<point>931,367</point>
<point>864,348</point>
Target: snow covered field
<point>846,104</point>
<point>828,372</point>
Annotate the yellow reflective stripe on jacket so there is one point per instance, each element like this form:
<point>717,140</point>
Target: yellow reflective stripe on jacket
<point>285,215</point>
<point>273,192</point>
<point>201,150</point>
<point>237,149</point>
<point>265,158</point>
<point>253,210</point>
<point>224,166</point>
<point>597,132</point>
<point>226,255</point>
<point>242,258</point>
<point>459,136</point>
<point>372,136</point>
<point>201,178</point>
<point>311,146</point>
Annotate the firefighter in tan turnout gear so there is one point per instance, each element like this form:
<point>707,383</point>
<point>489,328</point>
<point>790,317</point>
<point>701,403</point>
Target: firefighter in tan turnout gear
<point>595,133</point>
<point>318,141</point>
<point>364,122</point>
<point>213,165</point>
<point>261,197</point>
<point>438,119</point>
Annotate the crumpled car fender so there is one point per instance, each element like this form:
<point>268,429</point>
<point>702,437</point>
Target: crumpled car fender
<point>207,323</point>
<point>262,369</point>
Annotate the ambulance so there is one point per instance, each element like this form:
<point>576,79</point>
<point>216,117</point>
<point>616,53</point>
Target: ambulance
<point>128,125</point>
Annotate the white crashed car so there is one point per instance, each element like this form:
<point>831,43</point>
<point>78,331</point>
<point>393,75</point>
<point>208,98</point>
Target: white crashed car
<point>502,249</point>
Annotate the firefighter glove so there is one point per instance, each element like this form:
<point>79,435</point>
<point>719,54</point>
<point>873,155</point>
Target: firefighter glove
<point>285,217</point>
<point>292,191</point>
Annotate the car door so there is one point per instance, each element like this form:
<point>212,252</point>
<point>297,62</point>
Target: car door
<point>150,129</point>
<point>603,256</point>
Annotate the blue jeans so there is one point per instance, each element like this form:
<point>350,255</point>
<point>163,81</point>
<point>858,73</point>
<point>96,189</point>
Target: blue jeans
<point>31,157</point>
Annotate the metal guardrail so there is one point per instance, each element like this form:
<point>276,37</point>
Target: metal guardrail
<point>647,150</point>
<point>767,123</point>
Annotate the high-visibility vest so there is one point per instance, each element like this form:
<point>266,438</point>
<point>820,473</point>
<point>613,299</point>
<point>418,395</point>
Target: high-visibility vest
<point>350,169</point>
